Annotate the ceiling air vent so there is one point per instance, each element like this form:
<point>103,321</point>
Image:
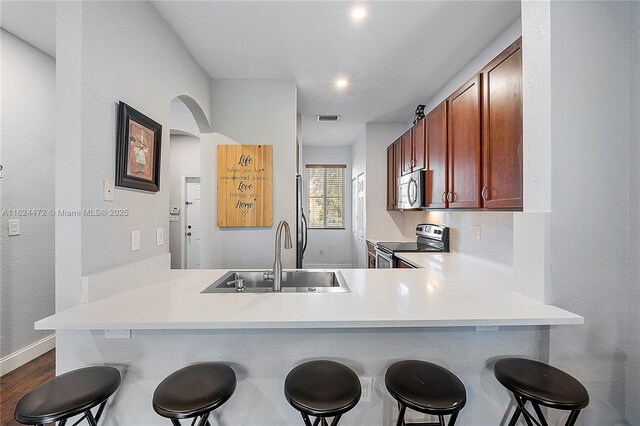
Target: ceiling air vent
<point>328,118</point>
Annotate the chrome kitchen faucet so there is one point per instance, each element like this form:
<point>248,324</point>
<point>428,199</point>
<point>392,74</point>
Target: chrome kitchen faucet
<point>276,273</point>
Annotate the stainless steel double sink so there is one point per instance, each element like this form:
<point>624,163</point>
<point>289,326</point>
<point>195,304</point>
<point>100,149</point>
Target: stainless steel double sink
<point>293,281</point>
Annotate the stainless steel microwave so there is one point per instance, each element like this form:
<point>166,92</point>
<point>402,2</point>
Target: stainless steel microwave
<point>411,190</point>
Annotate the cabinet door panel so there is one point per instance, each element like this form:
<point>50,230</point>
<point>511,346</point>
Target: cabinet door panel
<point>464,145</point>
<point>419,145</point>
<point>391,179</point>
<point>502,129</point>
<point>407,154</point>
<point>436,123</point>
<point>397,159</point>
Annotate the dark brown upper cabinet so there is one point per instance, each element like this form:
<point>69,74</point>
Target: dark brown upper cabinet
<point>413,148</point>
<point>464,146</point>
<point>502,130</point>
<point>406,142</point>
<point>394,171</point>
<point>391,179</point>
<point>436,155</point>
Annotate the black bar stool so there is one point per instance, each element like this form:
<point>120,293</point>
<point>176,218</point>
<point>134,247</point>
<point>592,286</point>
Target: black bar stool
<point>540,384</point>
<point>322,389</point>
<point>68,395</point>
<point>194,392</point>
<point>426,388</point>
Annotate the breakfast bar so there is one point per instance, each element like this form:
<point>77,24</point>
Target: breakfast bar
<point>456,311</point>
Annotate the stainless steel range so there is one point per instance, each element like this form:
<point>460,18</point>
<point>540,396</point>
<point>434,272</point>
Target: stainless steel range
<point>430,239</point>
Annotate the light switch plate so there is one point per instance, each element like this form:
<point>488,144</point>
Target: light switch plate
<point>107,190</point>
<point>174,219</point>
<point>14,227</point>
<point>478,232</point>
<point>159,236</point>
<point>175,210</point>
<point>135,240</point>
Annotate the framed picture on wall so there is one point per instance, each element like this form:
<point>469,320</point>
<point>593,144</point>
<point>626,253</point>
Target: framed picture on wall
<point>137,150</point>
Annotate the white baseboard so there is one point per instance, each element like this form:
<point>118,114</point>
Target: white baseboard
<point>24,355</point>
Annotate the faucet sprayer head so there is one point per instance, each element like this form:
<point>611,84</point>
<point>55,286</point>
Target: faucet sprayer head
<point>287,236</point>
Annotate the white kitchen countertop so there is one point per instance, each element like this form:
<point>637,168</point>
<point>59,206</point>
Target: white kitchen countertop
<point>451,290</point>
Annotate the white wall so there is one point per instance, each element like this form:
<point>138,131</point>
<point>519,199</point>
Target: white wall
<point>589,198</point>
<point>250,112</point>
<point>184,160</point>
<point>329,248</point>
<point>381,224</point>
<point>97,41</point>
<point>496,232</point>
<point>28,142</point>
<point>182,121</point>
<point>632,388</point>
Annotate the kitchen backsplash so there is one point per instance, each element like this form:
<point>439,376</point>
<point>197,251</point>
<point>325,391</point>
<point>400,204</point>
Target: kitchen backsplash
<point>496,232</point>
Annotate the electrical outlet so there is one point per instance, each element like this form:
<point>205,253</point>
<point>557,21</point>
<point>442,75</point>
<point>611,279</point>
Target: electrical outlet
<point>478,232</point>
<point>107,190</point>
<point>367,386</point>
<point>135,240</point>
<point>159,236</point>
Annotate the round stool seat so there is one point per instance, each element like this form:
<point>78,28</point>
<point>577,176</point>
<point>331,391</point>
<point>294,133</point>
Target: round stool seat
<point>542,383</point>
<point>67,395</point>
<point>425,387</point>
<point>194,390</point>
<point>322,388</point>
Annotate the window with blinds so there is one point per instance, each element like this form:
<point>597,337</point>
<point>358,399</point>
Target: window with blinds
<point>325,195</point>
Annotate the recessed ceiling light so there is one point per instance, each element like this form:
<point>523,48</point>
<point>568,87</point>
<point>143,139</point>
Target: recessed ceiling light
<point>358,13</point>
<point>342,83</point>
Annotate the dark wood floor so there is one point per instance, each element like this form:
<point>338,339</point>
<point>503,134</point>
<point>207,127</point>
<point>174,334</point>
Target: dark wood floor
<point>17,383</point>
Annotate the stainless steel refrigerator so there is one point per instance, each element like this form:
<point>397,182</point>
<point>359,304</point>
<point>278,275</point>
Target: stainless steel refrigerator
<point>301,223</point>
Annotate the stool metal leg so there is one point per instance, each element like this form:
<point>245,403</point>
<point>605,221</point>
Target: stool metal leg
<point>175,422</point>
<point>401,413</point>
<point>307,422</point>
<point>536,407</point>
<point>572,418</point>
<point>90,419</point>
<point>336,419</point>
<point>515,417</point>
<point>453,418</point>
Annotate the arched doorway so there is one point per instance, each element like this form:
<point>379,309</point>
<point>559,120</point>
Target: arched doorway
<point>187,123</point>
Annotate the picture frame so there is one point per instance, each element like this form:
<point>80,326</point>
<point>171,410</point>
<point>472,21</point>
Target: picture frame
<point>138,149</point>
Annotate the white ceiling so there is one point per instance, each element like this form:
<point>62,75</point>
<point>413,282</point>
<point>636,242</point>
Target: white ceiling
<point>400,56</point>
<point>32,21</point>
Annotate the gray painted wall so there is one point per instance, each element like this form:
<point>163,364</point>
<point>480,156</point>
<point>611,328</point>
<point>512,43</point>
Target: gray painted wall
<point>95,51</point>
<point>250,112</point>
<point>632,387</point>
<point>28,126</point>
<point>590,202</point>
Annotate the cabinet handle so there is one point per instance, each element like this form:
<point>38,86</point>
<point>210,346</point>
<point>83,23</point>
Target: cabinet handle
<point>444,194</point>
<point>484,193</point>
<point>449,196</point>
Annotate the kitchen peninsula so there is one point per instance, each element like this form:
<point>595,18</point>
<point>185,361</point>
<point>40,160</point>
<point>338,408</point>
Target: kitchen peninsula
<point>457,311</point>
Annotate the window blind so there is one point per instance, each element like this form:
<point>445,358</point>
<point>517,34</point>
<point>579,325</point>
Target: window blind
<point>325,195</point>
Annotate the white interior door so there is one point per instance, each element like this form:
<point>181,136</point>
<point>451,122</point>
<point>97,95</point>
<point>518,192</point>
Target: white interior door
<point>192,227</point>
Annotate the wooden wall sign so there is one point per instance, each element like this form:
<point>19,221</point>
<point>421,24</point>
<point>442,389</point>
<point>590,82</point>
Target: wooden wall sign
<point>245,185</point>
